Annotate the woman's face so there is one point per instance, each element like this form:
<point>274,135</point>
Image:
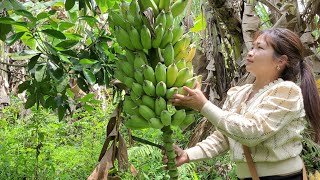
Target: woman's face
<point>260,60</point>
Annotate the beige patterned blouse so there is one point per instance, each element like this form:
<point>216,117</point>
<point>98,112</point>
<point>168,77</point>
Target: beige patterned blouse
<point>270,123</point>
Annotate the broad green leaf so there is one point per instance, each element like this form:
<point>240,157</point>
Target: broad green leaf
<point>61,112</point>
<point>58,4</point>
<point>33,61</point>
<point>110,3</point>
<point>89,76</point>
<point>89,19</point>
<point>70,93</point>
<point>69,4</point>
<point>69,53</point>
<point>12,39</point>
<point>23,86</point>
<point>62,83</point>
<point>199,24</point>
<point>6,20</point>
<point>62,26</point>
<point>40,72</point>
<point>52,11</point>
<point>82,85</point>
<point>87,97</point>
<point>67,44</point>
<point>16,5</point>
<point>28,40</point>
<point>95,101</point>
<point>102,5</point>
<point>31,101</point>
<point>20,28</point>
<point>106,78</point>
<point>87,61</point>
<point>42,15</point>
<point>54,33</point>
<point>4,30</point>
<point>24,55</point>
<point>73,16</point>
<point>25,13</point>
<point>64,58</point>
<point>88,108</point>
<point>76,37</point>
<point>41,136</point>
<point>50,102</point>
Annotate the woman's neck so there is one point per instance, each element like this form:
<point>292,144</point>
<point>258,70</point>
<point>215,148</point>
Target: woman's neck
<point>262,82</point>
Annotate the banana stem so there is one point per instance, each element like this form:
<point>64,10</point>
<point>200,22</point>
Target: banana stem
<point>168,145</point>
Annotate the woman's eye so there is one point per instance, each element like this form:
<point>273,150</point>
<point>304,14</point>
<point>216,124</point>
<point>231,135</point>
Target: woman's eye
<point>260,47</point>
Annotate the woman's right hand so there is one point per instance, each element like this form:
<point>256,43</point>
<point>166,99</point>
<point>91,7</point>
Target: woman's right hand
<point>181,156</point>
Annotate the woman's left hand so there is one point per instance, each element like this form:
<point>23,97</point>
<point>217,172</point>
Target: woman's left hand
<point>195,98</point>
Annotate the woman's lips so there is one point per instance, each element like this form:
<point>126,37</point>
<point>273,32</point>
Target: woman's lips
<point>249,61</point>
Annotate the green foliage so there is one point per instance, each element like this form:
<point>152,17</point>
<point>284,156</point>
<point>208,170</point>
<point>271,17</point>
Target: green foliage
<point>38,146</point>
<point>63,46</point>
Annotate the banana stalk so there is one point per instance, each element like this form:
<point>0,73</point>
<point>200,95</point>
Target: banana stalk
<point>168,145</point>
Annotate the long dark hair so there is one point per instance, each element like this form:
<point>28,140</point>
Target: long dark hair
<point>286,42</point>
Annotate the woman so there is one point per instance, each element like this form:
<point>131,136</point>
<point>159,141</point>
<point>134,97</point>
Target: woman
<point>267,116</point>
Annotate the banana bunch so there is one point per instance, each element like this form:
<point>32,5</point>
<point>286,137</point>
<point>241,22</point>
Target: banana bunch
<point>157,63</point>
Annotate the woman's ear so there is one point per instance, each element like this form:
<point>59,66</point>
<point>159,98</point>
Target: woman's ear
<point>283,60</point>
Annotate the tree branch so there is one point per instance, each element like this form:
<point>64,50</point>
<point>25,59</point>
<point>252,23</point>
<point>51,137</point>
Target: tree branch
<point>271,6</point>
<point>15,65</point>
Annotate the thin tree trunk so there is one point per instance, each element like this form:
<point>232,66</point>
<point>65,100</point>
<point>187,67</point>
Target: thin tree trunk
<point>4,85</point>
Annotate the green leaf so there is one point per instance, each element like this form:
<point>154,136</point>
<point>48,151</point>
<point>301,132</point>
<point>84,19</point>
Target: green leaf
<point>63,83</point>
<point>88,61</point>
<point>40,72</point>
<point>70,93</point>
<point>69,4</point>
<point>4,30</point>
<point>28,40</point>
<point>82,85</point>
<point>50,102</point>
<point>12,39</point>
<point>30,101</point>
<point>62,26</point>
<point>24,55</point>
<point>199,24</point>
<point>54,33</point>
<point>6,20</point>
<point>89,76</point>
<point>67,44</point>
<point>61,112</point>
<point>42,15</point>
<point>89,19</point>
<point>33,61</point>
<point>88,108</point>
<point>87,97</point>
<point>76,37</point>
<point>64,59</point>
<point>24,86</point>
<point>50,48</point>
<point>25,13</point>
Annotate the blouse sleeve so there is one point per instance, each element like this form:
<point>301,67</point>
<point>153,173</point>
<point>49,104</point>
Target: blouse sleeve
<point>216,143</point>
<point>283,104</point>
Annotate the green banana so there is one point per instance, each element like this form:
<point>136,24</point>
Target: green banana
<point>135,98</point>
<point>182,77</point>
<point>117,19</point>
<point>168,55</point>
<point>137,89</point>
<point>160,105</point>
<point>139,62</point>
<point>119,75</point>
<point>181,45</point>
<point>123,37</point>
<point>161,19</point>
<point>136,122</point>
<point>130,56</point>
<point>128,81</point>
<point>144,4</point>
<point>148,101</point>
<point>149,88</point>
<point>181,64</point>
<point>127,68</point>
<point>172,72</point>
<point>134,7</point>
<point>178,7</point>
<point>169,20</point>
<point>171,92</point>
<point>189,119</point>
<point>155,123</point>
<point>146,38</point>
<point>146,112</point>
<point>159,31</point>
<point>167,38</point>
<point>135,38</point>
<point>164,4</point>
<point>161,89</point>
<point>149,74</point>
<point>165,117</point>
<point>191,83</point>
<point>129,106</point>
<point>178,117</point>
<point>161,73</point>
<point>138,76</point>
<point>177,32</point>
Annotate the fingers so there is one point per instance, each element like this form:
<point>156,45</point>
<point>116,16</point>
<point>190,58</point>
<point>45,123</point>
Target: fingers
<point>198,86</point>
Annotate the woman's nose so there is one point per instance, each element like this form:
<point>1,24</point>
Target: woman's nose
<point>250,53</point>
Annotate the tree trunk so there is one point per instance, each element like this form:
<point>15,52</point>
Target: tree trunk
<point>4,83</point>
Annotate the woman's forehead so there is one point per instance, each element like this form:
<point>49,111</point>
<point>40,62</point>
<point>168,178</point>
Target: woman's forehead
<point>262,39</point>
